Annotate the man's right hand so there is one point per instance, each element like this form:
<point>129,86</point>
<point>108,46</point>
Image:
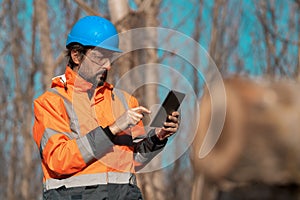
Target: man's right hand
<point>129,118</point>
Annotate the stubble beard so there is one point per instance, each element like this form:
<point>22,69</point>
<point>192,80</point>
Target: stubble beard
<point>101,80</point>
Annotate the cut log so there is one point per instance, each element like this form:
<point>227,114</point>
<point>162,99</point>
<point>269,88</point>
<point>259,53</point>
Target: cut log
<point>260,138</point>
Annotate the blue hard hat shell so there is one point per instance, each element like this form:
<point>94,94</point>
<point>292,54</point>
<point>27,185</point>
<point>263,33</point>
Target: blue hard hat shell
<point>94,31</point>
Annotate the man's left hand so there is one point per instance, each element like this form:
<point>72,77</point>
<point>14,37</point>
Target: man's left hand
<point>170,126</point>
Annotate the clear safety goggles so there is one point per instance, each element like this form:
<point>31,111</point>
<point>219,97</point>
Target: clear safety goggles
<point>99,57</point>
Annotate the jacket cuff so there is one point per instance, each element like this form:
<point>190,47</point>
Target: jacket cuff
<point>157,141</point>
<point>109,134</point>
<point>99,142</point>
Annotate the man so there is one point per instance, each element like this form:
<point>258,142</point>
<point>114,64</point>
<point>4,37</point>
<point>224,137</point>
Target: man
<point>85,129</point>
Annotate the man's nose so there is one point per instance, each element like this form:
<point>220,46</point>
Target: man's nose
<point>107,64</point>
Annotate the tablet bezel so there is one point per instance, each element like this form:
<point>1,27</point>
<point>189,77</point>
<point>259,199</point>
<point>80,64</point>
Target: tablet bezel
<point>170,104</point>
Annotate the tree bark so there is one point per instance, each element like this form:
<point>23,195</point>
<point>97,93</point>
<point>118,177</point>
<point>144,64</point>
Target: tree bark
<point>89,10</point>
<point>48,63</point>
<point>118,9</point>
<point>13,164</point>
<point>150,183</point>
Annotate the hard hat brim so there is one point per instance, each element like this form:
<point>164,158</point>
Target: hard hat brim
<point>88,43</point>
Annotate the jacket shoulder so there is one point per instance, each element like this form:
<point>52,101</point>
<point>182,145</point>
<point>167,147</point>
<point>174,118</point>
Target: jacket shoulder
<point>48,98</point>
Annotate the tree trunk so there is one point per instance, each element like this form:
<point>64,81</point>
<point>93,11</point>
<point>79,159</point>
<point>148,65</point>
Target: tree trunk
<point>13,164</point>
<point>45,40</point>
<point>123,23</point>
<point>152,183</point>
<point>147,95</point>
<point>118,9</point>
<point>298,50</point>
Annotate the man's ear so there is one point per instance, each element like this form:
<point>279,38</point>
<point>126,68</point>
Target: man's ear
<point>75,57</point>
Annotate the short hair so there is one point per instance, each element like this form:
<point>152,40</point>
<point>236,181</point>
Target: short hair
<point>75,47</point>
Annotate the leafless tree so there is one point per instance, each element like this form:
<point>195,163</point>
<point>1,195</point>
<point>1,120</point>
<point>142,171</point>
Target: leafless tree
<point>17,98</point>
<point>145,16</point>
<point>278,41</point>
<point>32,52</point>
<point>224,32</point>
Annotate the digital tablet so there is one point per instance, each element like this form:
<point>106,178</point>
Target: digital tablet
<point>169,105</point>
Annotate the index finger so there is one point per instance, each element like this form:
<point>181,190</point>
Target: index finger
<point>141,109</point>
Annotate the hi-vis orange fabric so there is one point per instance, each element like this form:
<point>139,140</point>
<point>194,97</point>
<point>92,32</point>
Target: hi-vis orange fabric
<point>70,131</point>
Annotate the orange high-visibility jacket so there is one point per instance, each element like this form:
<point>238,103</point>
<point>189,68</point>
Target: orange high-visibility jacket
<point>75,144</point>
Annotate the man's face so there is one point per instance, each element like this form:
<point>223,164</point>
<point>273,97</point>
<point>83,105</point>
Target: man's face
<point>95,65</point>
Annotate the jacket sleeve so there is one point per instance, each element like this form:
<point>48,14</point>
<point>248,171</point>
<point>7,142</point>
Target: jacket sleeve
<point>146,149</point>
<point>61,149</point>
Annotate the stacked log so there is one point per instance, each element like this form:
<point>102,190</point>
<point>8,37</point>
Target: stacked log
<point>259,143</point>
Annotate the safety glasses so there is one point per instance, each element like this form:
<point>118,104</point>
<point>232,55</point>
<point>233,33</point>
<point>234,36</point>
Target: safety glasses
<point>99,57</point>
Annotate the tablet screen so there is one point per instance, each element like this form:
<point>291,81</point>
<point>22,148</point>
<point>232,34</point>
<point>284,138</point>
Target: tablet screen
<point>169,105</point>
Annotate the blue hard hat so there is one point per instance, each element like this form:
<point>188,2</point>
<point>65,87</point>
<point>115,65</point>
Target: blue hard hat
<point>95,31</point>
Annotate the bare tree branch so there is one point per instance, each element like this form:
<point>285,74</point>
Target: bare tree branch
<point>267,28</point>
<point>145,4</point>
<point>87,8</point>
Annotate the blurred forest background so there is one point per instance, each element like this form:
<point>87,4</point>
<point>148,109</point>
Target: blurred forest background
<point>245,37</point>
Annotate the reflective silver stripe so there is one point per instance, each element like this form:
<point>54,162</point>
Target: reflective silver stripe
<point>88,180</point>
<point>85,149</point>
<point>73,121</point>
<point>121,96</point>
<point>82,142</point>
<point>47,134</point>
<point>74,124</point>
<point>140,158</point>
<point>118,177</point>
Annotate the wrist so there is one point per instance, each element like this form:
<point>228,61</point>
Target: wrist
<point>114,129</point>
<point>157,138</point>
<point>158,133</point>
<point>109,134</point>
